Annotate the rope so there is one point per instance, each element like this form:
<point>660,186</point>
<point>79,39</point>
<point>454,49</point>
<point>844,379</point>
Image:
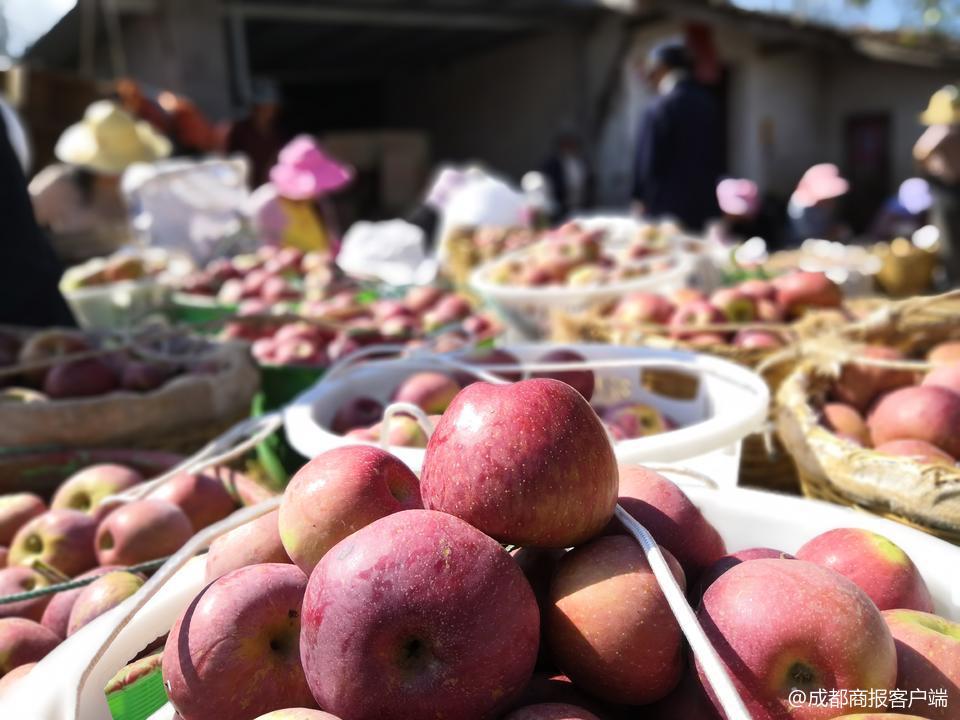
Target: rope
<point>76,583</point>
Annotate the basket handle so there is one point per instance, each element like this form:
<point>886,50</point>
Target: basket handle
<point>713,668</point>
<point>228,446</point>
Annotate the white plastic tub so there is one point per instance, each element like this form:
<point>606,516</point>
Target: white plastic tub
<point>745,518</point>
<point>731,402</point>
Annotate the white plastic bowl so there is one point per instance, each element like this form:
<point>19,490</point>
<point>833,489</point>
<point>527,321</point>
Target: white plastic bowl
<point>731,403</point>
<point>745,518</point>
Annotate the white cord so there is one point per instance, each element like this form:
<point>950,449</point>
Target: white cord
<point>713,668</point>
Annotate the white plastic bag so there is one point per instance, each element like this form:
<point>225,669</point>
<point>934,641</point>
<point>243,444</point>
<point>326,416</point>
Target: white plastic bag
<point>391,251</point>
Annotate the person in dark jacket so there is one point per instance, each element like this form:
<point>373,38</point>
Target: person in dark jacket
<point>679,147</point>
<point>29,270</point>
<point>569,175</point>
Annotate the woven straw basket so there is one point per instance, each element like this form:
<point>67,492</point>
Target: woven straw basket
<point>764,462</point>
<point>926,496</point>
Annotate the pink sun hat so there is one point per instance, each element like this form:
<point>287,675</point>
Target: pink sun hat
<point>738,196</point>
<point>820,182</point>
<point>303,171</point>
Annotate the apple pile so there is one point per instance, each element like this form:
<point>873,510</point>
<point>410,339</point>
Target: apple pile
<point>119,268</point>
<point>899,412</point>
<point>335,327</point>
<point>371,594</point>
<point>78,535</point>
<point>268,277</point>
<point>782,299</point>
<point>574,256</point>
<point>109,371</point>
<point>362,417</point>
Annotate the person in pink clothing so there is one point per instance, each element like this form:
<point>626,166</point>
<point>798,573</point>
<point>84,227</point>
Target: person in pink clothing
<point>293,208</point>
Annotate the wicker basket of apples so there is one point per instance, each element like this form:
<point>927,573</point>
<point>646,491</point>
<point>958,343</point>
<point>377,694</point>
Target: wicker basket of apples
<point>508,583</point>
<point>656,405</point>
<point>155,389</point>
<point>872,417</point>
<point>575,269</point>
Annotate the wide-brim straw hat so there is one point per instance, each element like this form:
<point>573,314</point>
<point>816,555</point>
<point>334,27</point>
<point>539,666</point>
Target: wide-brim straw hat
<point>109,139</point>
<point>943,108</point>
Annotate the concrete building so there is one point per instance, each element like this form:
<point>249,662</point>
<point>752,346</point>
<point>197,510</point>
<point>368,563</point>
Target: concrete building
<point>495,80</point>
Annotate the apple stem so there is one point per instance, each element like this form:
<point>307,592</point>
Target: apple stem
<point>713,668</point>
<point>48,571</point>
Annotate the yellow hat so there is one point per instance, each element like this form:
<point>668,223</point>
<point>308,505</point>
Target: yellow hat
<point>943,108</point>
<point>109,139</point>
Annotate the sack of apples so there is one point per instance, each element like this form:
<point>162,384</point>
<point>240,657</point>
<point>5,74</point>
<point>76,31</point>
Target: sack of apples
<point>523,576</point>
<point>155,389</point>
<point>873,417</point>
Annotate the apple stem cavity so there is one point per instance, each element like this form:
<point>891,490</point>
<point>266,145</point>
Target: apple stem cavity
<point>713,667</point>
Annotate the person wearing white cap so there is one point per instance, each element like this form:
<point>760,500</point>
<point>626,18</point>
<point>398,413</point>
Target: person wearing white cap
<point>79,200</point>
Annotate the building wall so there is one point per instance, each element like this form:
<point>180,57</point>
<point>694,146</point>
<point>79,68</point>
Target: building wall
<point>863,86</point>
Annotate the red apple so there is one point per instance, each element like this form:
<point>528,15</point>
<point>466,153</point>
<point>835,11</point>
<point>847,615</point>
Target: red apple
<point>86,489</point>
<point>19,579</point>
<point>710,575</point>
<point>144,376</point>
<point>418,615</point>
<point>357,412</point>
<point>947,352</point>
<point>56,616</point>
<point>62,539</point>
<point>947,377</point>
<point>432,392</point>
<point>927,413</point>
<point>737,306</point>
<point>643,308</point>
<point>583,381</point>
<point>257,541</point>
<point>928,657</point>
<point>17,510</point>
<point>80,378</point>
<point>686,295</point>
<point>528,463</point>
<point>235,651</point>
<point>693,314</point>
<point>631,420</point>
<point>202,496</point>
<point>46,344</point>
<point>785,625</point>
<point>14,676</point>
<point>402,431</point>
<point>609,627</point>
<point>918,450</point>
<point>758,289</point>
<point>422,298</point>
<point>338,493</point>
<point>102,595</point>
<point>551,711</point>
<point>801,291</point>
<point>845,421</point>
<point>770,311</point>
<point>23,641</point>
<point>667,513</point>
<point>448,310</point>
<point>758,339</point>
<point>878,566</point>
<point>860,383</point>
<point>140,531</point>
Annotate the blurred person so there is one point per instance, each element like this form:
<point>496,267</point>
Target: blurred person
<point>134,101</point>
<point>937,153</point>
<point>258,135</point>
<point>79,200</point>
<point>293,209</point>
<point>427,215</point>
<point>679,147</point>
<point>812,210</point>
<point>569,175</point>
<point>29,270</point>
<point>904,213</point>
<point>191,132</point>
<point>739,201</point>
